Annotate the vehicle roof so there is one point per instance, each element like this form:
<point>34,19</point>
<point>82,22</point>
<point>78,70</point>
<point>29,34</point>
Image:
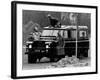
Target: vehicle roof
<point>64,27</point>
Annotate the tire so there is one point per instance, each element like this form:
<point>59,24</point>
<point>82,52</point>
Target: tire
<point>52,59</point>
<point>31,58</point>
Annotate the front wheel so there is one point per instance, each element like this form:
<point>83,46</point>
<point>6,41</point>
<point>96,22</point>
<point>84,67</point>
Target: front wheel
<point>52,59</point>
<point>31,58</point>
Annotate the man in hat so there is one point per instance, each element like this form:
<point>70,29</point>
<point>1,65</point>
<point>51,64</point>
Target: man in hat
<point>53,21</point>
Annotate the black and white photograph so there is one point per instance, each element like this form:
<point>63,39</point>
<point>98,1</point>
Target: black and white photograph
<point>54,39</point>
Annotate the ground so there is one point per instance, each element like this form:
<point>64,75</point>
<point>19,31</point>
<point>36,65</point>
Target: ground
<point>43,65</point>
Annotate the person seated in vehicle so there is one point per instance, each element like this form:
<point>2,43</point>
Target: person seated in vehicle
<point>83,35</point>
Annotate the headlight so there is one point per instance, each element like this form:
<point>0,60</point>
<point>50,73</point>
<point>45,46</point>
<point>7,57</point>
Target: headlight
<point>30,46</point>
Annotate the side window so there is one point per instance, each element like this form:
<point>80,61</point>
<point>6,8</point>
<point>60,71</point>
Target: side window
<point>82,34</point>
<point>65,34</point>
<point>73,34</point>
